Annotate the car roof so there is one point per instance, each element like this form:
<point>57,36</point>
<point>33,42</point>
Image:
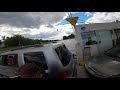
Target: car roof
<point>46,47</point>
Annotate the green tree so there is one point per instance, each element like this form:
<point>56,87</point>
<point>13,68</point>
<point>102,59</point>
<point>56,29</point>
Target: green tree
<point>16,40</point>
<point>3,38</point>
<point>68,37</point>
<point>19,40</point>
<point>0,42</point>
<point>64,37</point>
<point>71,36</point>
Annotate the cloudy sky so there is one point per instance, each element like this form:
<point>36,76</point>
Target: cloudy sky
<point>48,25</point>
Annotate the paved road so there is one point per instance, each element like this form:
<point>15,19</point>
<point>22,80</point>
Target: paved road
<point>81,72</point>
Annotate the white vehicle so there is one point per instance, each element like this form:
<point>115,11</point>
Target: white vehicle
<point>56,60</point>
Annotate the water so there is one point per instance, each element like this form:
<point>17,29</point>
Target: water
<point>70,44</point>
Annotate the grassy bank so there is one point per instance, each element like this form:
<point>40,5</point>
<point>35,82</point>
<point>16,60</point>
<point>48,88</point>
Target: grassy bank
<point>8,48</point>
<point>3,49</point>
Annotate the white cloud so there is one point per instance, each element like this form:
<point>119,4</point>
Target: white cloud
<point>64,29</point>
<point>88,14</point>
<point>57,32</point>
<point>43,32</point>
<point>43,25</point>
<point>7,30</point>
<point>30,19</point>
<point>102,17</point>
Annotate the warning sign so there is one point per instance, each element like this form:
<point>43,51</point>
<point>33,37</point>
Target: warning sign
<point>72,20</point>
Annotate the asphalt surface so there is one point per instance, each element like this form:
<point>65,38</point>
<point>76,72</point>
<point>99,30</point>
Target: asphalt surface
<point>81,72</point>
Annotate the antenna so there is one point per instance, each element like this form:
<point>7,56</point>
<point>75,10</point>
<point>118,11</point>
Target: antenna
<point>69,14</point>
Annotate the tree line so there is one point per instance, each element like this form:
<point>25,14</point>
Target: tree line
<point>68,37</point>
<point>19,40</point>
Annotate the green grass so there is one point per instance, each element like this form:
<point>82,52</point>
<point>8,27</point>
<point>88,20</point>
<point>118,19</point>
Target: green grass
<point>3,49</point>
<point>8,48</point>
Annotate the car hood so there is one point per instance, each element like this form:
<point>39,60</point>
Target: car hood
<point>105,65</point>
<point>8,71</point>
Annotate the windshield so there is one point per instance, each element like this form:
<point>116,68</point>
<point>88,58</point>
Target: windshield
<point>113,52</point>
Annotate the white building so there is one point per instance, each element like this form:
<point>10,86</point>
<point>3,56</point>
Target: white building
<point>103,36</point>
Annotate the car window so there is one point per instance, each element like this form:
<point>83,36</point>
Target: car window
<point>12,63</point>
<point>113,52</point>
<point>36,57</point>
<point>64,54</point>
<point>89,38</point>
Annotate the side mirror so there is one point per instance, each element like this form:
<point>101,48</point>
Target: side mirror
<point>74,56</point>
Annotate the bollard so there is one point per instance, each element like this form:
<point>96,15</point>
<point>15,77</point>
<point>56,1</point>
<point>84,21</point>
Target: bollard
<point>82,62</point>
